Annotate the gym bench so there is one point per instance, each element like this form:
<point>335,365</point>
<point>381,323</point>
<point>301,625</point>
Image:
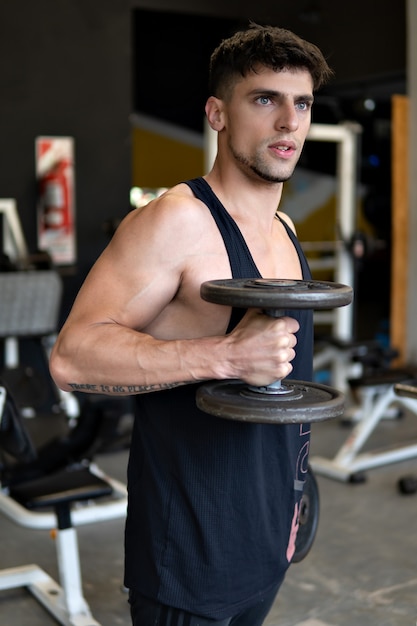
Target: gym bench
<point>48,502</point>
<point>380,396</point>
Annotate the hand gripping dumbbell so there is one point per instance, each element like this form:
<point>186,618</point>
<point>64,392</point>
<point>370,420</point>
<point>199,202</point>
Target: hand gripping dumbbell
<point>287,401</point>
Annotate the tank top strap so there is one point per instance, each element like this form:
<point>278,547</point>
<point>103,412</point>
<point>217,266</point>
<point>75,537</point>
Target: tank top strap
<point>305,269</point>
<point>241,260</point>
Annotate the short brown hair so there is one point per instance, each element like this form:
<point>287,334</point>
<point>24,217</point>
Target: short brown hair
<point>267,46</point>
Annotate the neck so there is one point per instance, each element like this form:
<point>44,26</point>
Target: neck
<point>242,195</point>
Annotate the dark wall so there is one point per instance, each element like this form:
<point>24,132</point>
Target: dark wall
<point>181,59</point>
<point>360,38</point>
<point>65,69</point>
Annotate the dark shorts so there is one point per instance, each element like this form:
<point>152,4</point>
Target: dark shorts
<point>146,612</point>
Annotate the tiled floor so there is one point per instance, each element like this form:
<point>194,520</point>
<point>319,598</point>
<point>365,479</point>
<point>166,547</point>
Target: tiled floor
<point>361,570</point>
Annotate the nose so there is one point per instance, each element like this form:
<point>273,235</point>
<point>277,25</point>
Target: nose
<point>287,118</point>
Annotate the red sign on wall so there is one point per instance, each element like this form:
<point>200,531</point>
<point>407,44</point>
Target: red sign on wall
<point>56,205</point>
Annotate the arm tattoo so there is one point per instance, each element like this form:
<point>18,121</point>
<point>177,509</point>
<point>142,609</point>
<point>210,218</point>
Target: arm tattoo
<point>125,389</point>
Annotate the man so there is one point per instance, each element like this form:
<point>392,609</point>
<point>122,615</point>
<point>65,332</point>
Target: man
<point>213,504</point>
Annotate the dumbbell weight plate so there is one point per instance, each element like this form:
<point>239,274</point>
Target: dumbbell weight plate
<point>305,402</point>
<point>308,518</point>
<point>276,293</point>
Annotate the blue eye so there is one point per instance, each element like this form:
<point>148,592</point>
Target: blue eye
<point>264,100</point>
<point>304,106</point>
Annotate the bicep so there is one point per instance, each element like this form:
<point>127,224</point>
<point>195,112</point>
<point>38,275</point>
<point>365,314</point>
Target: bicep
<point>130,284</point>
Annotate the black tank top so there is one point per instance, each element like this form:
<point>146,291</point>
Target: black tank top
<point>241,260</point>
<point>211,501</point>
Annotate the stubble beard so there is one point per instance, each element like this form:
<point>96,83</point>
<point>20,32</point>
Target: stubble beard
<point>261,169</point>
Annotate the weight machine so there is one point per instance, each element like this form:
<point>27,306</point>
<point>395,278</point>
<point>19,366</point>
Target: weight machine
<point>76,494</point>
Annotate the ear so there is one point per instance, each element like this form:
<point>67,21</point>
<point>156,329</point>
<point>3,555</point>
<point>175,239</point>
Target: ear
<point>214,113</point>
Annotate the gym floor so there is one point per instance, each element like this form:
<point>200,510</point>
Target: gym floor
<point>361,570</point>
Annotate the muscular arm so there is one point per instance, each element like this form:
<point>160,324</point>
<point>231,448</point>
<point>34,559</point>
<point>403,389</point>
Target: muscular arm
<point>139,325</point>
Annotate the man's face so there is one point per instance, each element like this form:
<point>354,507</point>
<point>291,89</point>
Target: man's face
<point>267,120</point>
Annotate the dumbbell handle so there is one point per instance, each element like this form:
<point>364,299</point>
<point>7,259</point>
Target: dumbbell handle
<point>276,387</point>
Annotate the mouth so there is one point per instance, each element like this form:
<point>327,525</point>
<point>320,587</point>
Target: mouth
<point>283,148</point>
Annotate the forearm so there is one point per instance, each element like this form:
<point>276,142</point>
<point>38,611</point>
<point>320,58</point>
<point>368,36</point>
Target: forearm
<point>109,358</point>
<point>120,361</point>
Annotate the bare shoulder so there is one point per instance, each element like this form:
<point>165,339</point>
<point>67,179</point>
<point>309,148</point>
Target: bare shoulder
<point>176,210</point>
<point>178,202</point>
<point>164,237</point>
<point>285,218</point>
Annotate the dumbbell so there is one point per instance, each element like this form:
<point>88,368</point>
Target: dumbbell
<point>286,401</point>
